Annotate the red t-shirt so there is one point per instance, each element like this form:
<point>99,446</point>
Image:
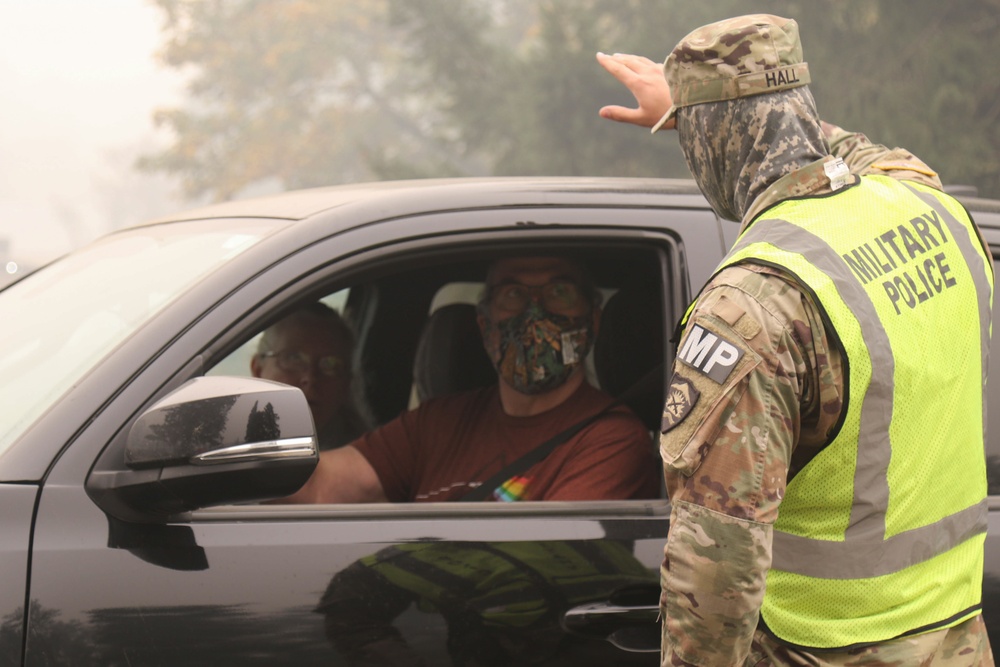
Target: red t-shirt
<point>448,445</point>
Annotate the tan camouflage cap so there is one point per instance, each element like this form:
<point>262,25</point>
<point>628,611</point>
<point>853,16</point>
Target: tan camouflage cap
<point>737,57</point>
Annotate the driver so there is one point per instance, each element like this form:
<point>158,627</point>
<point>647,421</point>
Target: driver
<point>538,317</point>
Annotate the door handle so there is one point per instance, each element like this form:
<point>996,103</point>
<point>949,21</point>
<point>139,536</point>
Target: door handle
<point>632,628</point>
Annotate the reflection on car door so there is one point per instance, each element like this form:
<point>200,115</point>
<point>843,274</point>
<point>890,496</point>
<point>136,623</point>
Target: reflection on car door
<point>345,586</point>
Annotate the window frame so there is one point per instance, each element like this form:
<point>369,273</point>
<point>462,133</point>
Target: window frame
<point>339,264</point>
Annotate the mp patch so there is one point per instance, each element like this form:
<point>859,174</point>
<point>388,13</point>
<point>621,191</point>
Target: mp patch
<point>681,398</point>
<point>709,353</point>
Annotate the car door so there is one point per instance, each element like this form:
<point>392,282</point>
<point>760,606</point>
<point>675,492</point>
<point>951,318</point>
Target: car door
<point>17,502</point>
<point>448,583</point>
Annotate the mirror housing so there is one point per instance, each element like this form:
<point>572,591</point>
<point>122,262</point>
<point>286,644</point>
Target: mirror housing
<point>211,441</point>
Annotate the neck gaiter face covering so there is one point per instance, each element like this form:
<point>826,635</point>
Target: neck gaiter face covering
<point>536,351</point>
<point>737,148</point>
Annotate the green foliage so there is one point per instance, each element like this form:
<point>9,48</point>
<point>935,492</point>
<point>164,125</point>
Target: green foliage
<point>310,92</point>
<point>915,74</point>
<point>280,90</point>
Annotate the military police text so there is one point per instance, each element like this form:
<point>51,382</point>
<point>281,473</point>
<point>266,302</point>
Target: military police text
<point>906,256</point>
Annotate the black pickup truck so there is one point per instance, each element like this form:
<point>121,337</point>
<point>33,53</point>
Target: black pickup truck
<point>131,527</point>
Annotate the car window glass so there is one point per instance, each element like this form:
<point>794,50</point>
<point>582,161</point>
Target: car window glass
<point>64,319</point>
<point>392,308</point>
<point>431,319</point>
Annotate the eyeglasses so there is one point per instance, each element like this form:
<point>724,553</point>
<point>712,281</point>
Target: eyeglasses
<point>294,361</point>
<point>556,296</point>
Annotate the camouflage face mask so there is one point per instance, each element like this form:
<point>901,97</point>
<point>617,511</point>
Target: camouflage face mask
<point>536,350</point>
<point>736,149</point>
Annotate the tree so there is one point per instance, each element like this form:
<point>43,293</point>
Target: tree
<point>307,92</point>
<point>50,641</point>
<point>262,424</point>
<point>187,429</point>
<point>915,74</point>
<point>280,91</point>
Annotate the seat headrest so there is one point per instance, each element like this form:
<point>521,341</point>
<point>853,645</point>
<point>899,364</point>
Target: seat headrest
<point>450,357</point>
<point>629,345</point>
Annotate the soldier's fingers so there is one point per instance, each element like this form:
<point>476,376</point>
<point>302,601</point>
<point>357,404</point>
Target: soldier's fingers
<point>635,62</point>
<point>621,114</point>
<point>617,68</point>
<point>644,79</point>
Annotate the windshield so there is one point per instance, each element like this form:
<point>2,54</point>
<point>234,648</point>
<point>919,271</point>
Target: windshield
<point>59,322</point>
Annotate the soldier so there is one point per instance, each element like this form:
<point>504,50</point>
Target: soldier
<point>833,366</point>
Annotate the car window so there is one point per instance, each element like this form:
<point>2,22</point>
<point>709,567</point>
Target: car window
<point>61,321</point>
<point>417,335</point>
<point>421,340</point>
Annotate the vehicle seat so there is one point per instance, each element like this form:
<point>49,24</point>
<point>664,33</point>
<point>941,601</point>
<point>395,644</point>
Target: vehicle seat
<point>629,345</point>
<point>450,357</point>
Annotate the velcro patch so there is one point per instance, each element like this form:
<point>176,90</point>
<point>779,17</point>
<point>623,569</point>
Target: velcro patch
<point>709,353</point>
<point>681,397</point>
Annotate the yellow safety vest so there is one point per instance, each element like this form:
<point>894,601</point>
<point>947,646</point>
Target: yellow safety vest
<point>881,535</point>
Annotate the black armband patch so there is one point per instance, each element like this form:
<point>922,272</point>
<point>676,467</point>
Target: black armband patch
<point>709,353</point>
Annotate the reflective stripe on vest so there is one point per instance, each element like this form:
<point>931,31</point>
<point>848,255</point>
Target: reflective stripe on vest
<point>979,269</point>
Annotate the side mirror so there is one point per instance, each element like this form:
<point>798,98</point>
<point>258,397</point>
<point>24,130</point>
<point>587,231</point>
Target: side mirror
<point>212,441</point>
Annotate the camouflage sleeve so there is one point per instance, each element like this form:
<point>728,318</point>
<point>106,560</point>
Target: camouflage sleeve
<point>728,441</point>
<point>865,158</point>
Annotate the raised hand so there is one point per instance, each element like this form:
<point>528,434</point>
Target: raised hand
<point>644,79</point>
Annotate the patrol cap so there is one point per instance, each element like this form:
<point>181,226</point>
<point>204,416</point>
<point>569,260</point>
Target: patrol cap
<point>737,57</point>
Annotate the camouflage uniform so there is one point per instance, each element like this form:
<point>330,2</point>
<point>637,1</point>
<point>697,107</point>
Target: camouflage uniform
<point>729,448</point>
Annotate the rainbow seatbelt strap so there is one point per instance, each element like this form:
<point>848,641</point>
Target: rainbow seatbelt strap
<point>512,490</point>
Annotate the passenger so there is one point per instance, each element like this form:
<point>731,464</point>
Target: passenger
<point>538,317</point>
<point>311,349</point>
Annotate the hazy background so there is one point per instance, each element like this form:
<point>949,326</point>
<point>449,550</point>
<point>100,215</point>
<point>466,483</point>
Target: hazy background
<point>117,111</point>
<point>79,84</point>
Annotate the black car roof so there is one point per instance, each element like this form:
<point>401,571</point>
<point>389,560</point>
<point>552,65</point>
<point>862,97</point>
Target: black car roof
<point>366,202</point>
<point>392,198</point>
